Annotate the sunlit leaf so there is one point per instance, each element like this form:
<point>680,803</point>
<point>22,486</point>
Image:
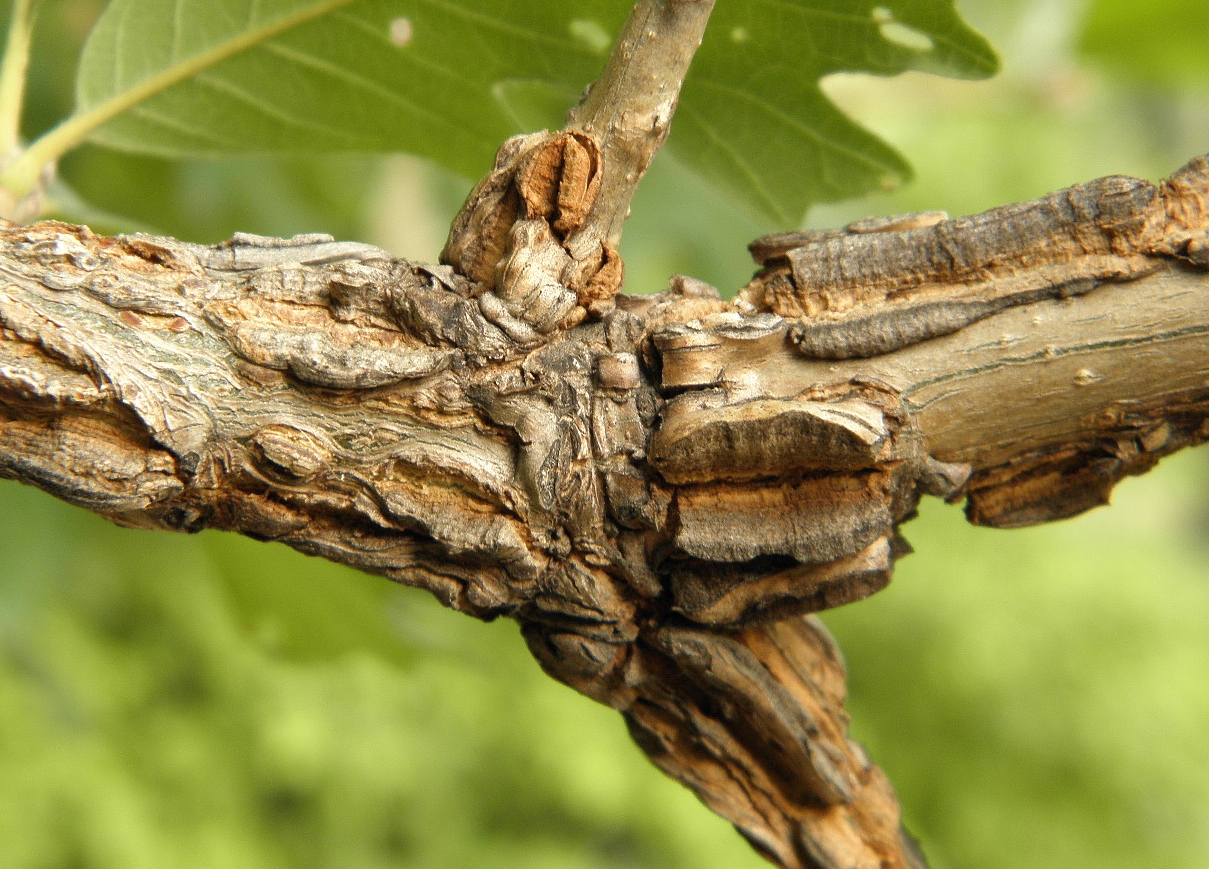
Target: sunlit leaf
<point>754,120</point>
<point>449,80</point>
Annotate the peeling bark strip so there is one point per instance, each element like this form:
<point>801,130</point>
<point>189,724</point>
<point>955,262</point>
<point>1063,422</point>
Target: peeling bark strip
<point>879,288</point>
<point>659,492</point>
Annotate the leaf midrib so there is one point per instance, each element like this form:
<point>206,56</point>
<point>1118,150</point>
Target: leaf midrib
<point>19,176</point>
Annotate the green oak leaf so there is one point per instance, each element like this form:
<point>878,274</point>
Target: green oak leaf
<point>450,79</point>
<point>753,119</point>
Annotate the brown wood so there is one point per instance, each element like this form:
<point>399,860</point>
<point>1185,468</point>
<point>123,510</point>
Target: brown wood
<point>658,490</point>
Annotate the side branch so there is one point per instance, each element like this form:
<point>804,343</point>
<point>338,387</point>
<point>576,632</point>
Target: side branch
<point>1040,410</point>
<point>540,233</point>
<point>629,108</point>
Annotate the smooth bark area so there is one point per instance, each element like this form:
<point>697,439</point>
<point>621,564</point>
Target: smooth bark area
<point>659,489</point>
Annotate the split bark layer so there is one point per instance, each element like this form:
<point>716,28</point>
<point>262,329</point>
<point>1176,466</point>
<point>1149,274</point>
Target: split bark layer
<point>659,489</point>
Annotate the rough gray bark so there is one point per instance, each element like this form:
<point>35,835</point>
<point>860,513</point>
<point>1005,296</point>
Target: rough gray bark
<point>659,489</point>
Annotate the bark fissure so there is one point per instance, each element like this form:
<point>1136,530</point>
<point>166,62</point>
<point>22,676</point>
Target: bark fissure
<point>659,489</point>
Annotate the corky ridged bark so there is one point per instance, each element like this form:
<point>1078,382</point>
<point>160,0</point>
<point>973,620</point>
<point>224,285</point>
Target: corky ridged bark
<point>541,231</point>
<point>658,495</point>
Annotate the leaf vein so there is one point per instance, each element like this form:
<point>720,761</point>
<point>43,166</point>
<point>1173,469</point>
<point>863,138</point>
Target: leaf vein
<point>268,109</point>
<point>346,75</point>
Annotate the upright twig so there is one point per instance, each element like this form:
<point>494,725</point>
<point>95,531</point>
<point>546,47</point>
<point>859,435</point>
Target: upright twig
<point>541,231</point>
<point>629,109</point>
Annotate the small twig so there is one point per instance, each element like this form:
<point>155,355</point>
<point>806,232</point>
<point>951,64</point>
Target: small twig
<point>629,109</point>
<point>541,231</point>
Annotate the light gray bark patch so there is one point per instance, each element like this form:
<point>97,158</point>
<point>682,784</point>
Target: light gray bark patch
<point>317,360</point>
<point>246,252</point>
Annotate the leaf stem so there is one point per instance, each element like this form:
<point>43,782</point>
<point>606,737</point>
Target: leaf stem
<point>12,75</point>
<point>21,176</point>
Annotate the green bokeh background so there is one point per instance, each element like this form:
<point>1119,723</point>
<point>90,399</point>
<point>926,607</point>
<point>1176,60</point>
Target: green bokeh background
<point>1039,697</point>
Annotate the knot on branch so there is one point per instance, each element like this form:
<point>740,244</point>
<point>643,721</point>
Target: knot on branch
<point>522,236</point>
<point>787,505</point>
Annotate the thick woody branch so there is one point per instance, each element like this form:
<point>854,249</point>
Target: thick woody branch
<point>1051,404</point>
<point>1050,347</point>
<point>1045,406</point>
<point>657,495</point>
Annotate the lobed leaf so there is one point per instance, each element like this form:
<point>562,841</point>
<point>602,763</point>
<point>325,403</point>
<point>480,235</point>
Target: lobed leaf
<point>450,79</point>
<point>754,120</point>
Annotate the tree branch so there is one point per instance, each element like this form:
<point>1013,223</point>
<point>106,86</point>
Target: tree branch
<point>657,495</point>
<point>541,231</point>
<point>629,108</point>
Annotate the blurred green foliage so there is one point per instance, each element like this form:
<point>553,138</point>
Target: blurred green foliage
<point>160,705</point>
<point>1120,36</point>
<point>1038,697</point>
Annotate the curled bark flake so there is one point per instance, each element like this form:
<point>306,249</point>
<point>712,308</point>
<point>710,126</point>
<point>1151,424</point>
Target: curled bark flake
<point>1185,196</point>
<point>559,180</point>
<point>813,521</point>
<point>768,589</point>
<point>515,235</point>
<point>1055,484</point>
<point>1100,225</point>
<point>886,331</point>
<point>704,437</point>
<point>880,287</point>
<point>479,233</point>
